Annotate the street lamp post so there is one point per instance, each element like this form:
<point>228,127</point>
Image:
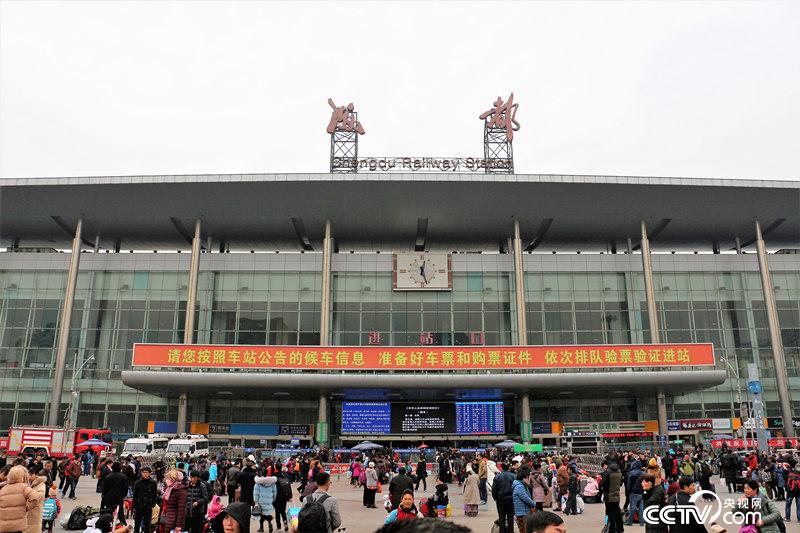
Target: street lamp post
<point>744,408</point>
<point>73,393</point>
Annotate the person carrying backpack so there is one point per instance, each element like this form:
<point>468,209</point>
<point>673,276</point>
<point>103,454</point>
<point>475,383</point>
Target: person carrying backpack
<point>321,511</point>
<point>704,477</point>
<point>283,497</point>
<point>687,469</point>
<point>792,492</point>
<point>50,511</point>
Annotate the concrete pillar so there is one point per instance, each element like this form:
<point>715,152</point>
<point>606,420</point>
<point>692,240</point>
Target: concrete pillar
<point>525,426</point>
<point>652,316</point>
<point>183,409</point>
<point>519,288</point>
<point>774,335</point>
<point>325,302</point>
<point>63,328</point>
<point>661,400</point>
<point>322,420</point>
<point>191,297</point>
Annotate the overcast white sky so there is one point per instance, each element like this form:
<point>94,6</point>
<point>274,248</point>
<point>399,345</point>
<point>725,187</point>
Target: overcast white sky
<point>632,88</point>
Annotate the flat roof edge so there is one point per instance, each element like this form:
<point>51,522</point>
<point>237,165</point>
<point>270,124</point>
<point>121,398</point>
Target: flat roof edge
<point>402,177</point>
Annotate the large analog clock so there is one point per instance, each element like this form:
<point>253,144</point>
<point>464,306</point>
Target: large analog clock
<point>419,271</point>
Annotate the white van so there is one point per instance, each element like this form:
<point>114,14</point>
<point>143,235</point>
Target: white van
<point>154,445</point>
<point>188,445</point>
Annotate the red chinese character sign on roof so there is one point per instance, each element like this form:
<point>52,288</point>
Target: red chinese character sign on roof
<point>343,118</point>
<point>503,116</point>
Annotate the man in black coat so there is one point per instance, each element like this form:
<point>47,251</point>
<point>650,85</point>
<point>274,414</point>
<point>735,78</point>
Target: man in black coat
<point>690,524</point>
<point>247,482</point>
<point>502,492</point>
<point>115,488</point>
<point>398,485</point>
<point>145,497</point>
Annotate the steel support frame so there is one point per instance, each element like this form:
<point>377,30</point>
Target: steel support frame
<point>781,379</point>
<point>344,151</point>
<point>63,329</point>
<point>497,148</point>
<point>652,317</point>
<point>191,305</point>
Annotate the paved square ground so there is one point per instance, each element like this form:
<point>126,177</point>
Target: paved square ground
<point>357,519</point>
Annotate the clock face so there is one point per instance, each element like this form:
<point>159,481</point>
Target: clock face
<point>422,271</point>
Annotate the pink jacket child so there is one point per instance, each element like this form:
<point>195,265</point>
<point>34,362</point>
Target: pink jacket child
<point>215,507</point>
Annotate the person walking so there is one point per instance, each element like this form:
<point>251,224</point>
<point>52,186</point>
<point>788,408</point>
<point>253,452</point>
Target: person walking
<point>539,489</point>
<point>611,481</point>
<point>265,492</point>
<point>422,473</point>
<point>398,485</point>
<point>115,490</point>
<point>758,510</point>
<point>232,482</point>
<point>562,479</point>
<point>371,486</point>
<point>87,459</point>
<point>283,497</point>
<point>502,493</point>
<point>471,491</point>
<point>792,491</point>
<point>683,498</point>
<point>483,474</point>
<point>73,472</point>
<point>653,497</point>
<point>16,498</point>
<point>523,504</point>
<point>247,482</point>
<point>196,502</point>
<point>173,506</point>
<point>635,494</point>
<point>144,499</point>
<point>50,511</point>
<point>34,515</point>
<point>321,495</point>
<point>62,475</point>
<point>730,469</point>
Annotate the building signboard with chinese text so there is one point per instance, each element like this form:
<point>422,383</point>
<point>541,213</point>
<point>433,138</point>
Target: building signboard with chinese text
<point>421,357</point>
<point>753,443</point>
<point>693,424</point>
<point>629,435</point>
<point>604,427</point>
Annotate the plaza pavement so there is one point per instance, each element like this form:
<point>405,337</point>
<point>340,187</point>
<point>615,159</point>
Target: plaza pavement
<point>357,519</point>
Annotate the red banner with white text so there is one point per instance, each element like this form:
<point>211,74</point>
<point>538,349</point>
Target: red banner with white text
<point>421,357</point>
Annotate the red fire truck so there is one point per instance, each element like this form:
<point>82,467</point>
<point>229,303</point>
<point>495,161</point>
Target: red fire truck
<point>54,441</point>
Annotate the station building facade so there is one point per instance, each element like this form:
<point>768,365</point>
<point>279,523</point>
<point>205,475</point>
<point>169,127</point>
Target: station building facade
<point>266,282</point>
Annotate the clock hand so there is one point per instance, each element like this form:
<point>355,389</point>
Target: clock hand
<point>422,272</point>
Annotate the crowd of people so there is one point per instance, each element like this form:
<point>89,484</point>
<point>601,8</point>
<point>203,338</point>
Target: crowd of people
<point>221,494</point>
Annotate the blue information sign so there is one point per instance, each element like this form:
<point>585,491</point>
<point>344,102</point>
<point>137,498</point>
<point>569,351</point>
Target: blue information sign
<point>366,417</point>
<point>479,417</point>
